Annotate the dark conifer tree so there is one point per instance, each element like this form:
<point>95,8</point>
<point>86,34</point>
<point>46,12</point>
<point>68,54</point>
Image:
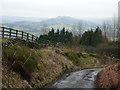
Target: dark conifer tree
<point>62,35</point>
<point>57,36</point>
<point>51,35</point>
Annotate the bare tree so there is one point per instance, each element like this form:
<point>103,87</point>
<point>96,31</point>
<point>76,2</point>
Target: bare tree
<point>77,28</point>
<point>114,28</point>
<point>118,32</point>
<point>118,27</point>
<point>80,28</point>
<point>109,31</point>
<point>44,29</point>
<point>74,29</point>
<point>104,26</point>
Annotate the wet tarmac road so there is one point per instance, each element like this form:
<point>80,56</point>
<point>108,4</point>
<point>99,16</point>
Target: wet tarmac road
<point>78,79</point>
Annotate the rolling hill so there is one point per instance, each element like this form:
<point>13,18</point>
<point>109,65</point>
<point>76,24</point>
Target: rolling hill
<point>36,25</point>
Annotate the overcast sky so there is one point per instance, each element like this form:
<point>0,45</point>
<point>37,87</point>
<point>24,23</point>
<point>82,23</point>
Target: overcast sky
<point>54,8</point>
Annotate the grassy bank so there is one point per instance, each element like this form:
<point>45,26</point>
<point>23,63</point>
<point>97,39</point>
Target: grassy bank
<point>89,60</point>
<point>29,67</point>
<point>25,67</point>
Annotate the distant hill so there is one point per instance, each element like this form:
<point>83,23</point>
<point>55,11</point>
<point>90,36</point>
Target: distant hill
<point>36,25</point>
<point>12,19</point>
<point>66,20</point>
<point>61,20</point>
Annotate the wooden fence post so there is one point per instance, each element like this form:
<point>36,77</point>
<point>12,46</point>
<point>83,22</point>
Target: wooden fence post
<point>27,36</point>
<point>2,32</point>
<point>32,37</point>
<point>16,33</point>
<point>22,34</point>
<point>10,33</point>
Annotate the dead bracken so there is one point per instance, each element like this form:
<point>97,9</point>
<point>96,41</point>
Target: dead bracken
<point>109,77</point>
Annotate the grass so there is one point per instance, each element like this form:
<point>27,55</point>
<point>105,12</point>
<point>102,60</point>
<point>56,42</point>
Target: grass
<point>50,67</point>
<point>89,62</point>
<point>85,54</point>
<point>83,60</point>
<point>21,59</point>
<point>38,66</point>
<point>42,66</point>
<point>72,56</point>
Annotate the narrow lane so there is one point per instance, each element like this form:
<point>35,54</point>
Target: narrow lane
<point>78,79</point>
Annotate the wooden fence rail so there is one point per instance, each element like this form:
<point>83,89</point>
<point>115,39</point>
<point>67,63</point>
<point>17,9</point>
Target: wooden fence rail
<point>6,32</point>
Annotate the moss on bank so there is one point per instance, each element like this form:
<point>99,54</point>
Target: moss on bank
<point>83,60</point>
<point>21,59</point>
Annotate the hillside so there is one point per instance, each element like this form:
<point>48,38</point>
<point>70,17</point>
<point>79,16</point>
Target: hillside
<point>33,26</point>
<point>13,19</point>
<point>28,71</point>
<point>26,67</point>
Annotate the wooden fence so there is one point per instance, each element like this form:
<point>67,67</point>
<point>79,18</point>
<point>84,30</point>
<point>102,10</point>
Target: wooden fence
<point>6,32</point>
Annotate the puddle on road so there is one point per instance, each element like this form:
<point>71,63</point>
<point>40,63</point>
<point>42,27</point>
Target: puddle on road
<point>78,79</point>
